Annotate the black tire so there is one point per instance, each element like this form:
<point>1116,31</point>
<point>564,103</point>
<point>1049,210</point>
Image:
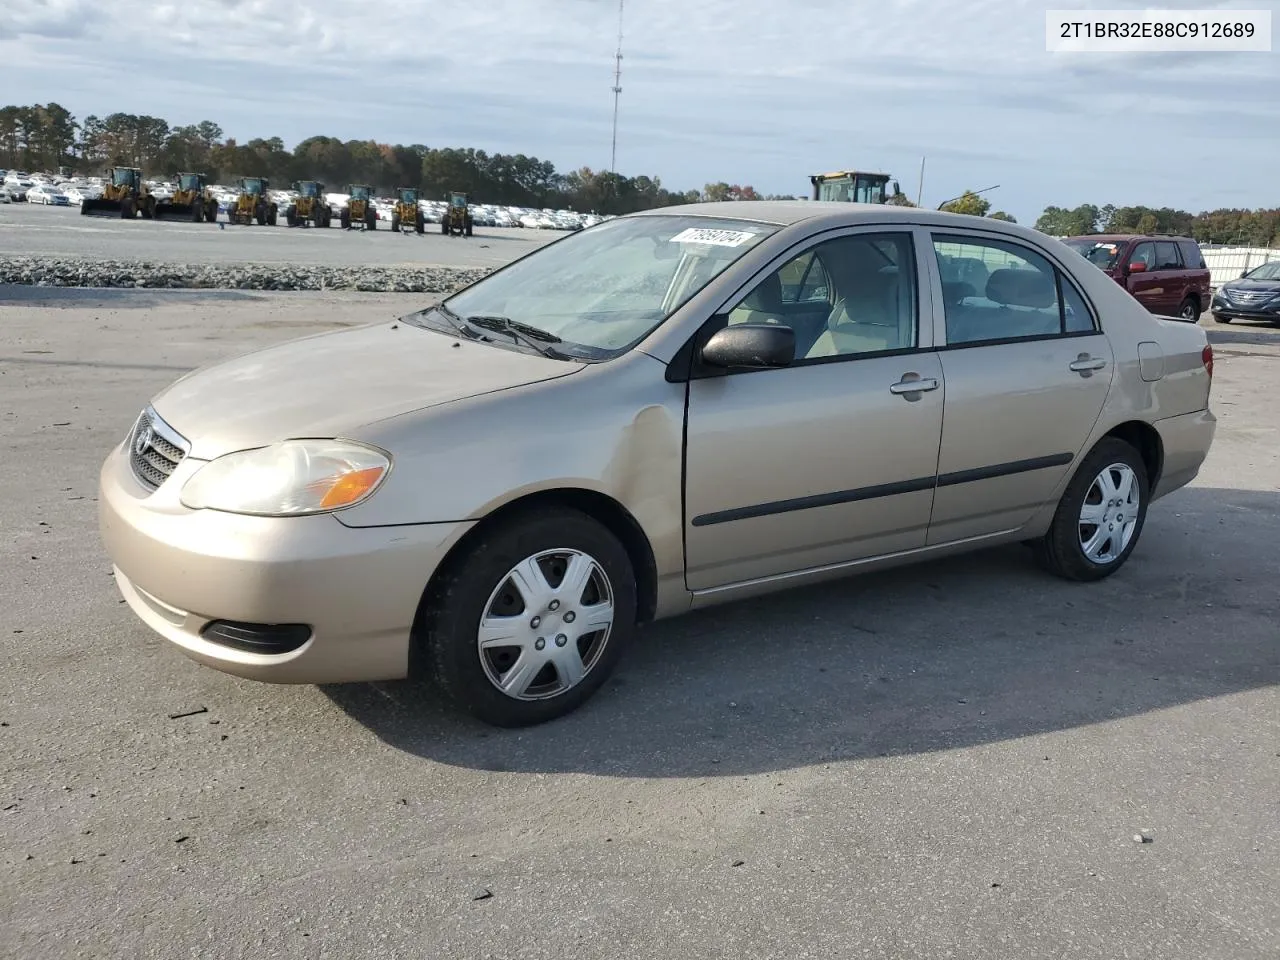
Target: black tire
<point>345,219</point>
<point>466,229</point>
<point>148,208</point>
<point>444,227</point>
<point>419,223</point>
<point>127,209</point>
<point>371,221</point>
<point>395,222</point>
<point>1221,319</point>
<point>448,621</point>
<point>1060,551</point>
<point>290,217</point>
<point>197,212</point>
<point>1189,310</point>
<point>273,215</point>
<point>211,212</point>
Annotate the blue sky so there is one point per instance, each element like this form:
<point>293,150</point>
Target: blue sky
<point>747,91</point>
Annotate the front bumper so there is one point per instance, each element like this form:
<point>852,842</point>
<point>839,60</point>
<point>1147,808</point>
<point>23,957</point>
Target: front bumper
<point>356,589</point>
<point>1265,311</point>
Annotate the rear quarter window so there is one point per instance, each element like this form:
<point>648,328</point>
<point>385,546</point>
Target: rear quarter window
<point>1192,255</point>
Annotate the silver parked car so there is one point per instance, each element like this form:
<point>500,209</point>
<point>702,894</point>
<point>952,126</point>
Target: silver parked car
<point>661,412</point>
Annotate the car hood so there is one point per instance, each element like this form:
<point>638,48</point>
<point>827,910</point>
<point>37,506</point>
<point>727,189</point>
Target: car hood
<point>333,383</point>
<point>1250,286</point>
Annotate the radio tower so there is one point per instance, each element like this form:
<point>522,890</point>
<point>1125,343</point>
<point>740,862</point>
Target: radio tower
<point>617,90</point>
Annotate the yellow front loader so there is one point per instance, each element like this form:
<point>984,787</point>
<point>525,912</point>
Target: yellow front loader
<point>191,201</point>
<point>457,218</point>
<point>124,196</point>
<point>359,208</point>
<point>253,204</point>
<point>407,211</point>
<point>309,206</point>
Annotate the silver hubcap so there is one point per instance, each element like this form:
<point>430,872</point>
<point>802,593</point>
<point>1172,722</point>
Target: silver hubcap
<point>1110,514</point>
<point>546,625</point>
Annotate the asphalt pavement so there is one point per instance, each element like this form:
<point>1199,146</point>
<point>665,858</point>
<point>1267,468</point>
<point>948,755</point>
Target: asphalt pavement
<point>946,760</point>
<point>40,230</point>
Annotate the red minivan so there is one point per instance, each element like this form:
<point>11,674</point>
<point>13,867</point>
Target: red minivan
<point>1167,275</point>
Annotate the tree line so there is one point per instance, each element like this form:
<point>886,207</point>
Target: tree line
<point>1236,227</point>
<point>47,137</point>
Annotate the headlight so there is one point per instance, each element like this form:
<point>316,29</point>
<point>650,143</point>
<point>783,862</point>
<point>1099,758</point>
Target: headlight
<point>288,479</point>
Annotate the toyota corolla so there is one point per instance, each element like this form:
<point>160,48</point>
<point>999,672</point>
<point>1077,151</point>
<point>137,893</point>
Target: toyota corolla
<point>661,412</point>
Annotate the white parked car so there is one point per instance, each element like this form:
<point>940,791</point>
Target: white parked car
<point>48,195</point>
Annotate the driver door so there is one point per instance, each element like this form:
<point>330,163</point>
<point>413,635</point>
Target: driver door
<point>832,459</point>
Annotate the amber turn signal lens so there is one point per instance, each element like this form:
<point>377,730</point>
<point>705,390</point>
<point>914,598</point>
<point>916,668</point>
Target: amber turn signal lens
<point>350,487</point>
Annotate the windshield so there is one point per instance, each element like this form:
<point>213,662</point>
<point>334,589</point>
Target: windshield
<point>189,182</point>
<point>310,189</point>
<point>253,186</point>
<point>1268,271</point>
<point>360,193</point>
<point>408,196</point>
<point>603,289</point>
<point>122,178</point>
<point>1102,253</point>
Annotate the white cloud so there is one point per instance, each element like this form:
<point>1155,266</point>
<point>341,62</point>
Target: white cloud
<point>752,91</point>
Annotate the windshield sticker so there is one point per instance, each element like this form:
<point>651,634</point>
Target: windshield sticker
<point>715,238</point>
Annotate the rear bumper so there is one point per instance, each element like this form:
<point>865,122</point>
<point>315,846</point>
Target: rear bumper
<point>1185,441</point>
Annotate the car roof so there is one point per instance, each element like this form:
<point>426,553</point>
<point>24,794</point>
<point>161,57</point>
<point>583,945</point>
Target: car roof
<point>820,215</point>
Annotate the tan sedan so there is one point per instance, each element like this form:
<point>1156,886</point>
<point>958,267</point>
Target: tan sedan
<point>664,411</point>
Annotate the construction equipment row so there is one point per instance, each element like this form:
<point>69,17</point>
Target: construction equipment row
<point>126,196</point>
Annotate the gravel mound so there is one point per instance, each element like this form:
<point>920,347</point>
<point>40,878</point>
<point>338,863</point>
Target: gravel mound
<point>61,272</point>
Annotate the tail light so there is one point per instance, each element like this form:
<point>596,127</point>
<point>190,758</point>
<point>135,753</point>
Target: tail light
<point>1206,357</point>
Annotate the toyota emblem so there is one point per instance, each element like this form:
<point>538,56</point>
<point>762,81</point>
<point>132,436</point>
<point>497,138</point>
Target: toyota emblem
<point>143,439</point>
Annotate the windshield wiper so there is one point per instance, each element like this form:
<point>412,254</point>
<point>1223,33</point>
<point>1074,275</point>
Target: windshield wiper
<point>531,336</point>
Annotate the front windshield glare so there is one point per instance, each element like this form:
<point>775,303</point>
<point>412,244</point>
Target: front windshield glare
<point>1268,271</point>
<point>604,289</point>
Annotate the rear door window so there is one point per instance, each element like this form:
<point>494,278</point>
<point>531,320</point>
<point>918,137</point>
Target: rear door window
<point>1167,257</point>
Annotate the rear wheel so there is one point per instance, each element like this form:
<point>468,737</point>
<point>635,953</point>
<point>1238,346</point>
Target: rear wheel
<point>466,229</point>
<point>211,211</point>
<point>127,209</point>
<point>273,215</point>
<point>1100,515</point>
<point>370,219</point>
<point>395,221</point>
<point>529,624</point>
<point>345,219</point>
<point>1189,310</point>
<point>419,223</point>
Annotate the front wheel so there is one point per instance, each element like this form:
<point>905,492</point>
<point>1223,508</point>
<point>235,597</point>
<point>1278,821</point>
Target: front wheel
<point>1100,515</point>
<point>529,624</point>
<point>1219,318</point>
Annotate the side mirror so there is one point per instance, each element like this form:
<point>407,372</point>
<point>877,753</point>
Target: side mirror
<point>751,346</point>
<point>1138,266</point>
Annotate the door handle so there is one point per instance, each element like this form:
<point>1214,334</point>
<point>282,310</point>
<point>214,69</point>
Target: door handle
<point>1085,362</point>
<point>913,386</point>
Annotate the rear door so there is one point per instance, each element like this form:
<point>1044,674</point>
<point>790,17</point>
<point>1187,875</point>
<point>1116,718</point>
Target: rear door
<point>1027,371</point>
<point>1173,276</point>
<point>1145,285</point>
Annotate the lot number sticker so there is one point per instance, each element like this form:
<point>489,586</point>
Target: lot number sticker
<point>715,238</point>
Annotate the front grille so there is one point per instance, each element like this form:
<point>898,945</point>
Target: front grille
<point>1251,296</point>
<point>155,449</point>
